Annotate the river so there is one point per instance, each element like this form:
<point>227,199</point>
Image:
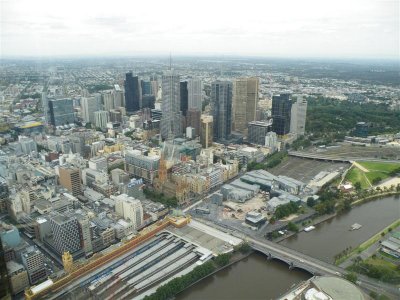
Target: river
<point>257,278</point>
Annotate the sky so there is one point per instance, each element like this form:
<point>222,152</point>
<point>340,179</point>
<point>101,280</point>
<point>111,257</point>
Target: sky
<point>279,28</point>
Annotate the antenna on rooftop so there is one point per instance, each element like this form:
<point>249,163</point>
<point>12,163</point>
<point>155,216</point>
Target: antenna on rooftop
<point>170,61</point>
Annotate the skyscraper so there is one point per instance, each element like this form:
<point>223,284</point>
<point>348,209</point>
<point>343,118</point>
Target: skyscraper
<point>89,106</point>
<point>281,110</point>
<point>101,118</point>
<point>61,112</point>
<point>298,116</point>
<point>184,100</point>
<point>132,93</point>
<point>206,131</point>
<point>245,98</point>
<point>171,123</point>
<point>146,87</point>
<point>108,100</point>
<point>70,178</point>
<point>258,131</point>
<point>221,97</point>
<point>195,90</point>
<point>193,120</point>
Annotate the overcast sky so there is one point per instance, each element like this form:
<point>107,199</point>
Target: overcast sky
<point>284,28</point>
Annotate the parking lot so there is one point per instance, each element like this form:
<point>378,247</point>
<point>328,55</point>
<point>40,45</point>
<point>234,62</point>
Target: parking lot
<point>304,169</point>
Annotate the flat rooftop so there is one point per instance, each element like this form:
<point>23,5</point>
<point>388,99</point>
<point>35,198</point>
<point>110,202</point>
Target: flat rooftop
<point>216,241</point>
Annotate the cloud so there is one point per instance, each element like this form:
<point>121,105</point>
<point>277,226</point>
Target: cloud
<point>289,27</point>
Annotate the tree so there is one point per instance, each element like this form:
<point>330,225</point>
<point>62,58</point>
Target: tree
<point>310,202</point>
<point>292,227</point>
<point>223,259</point>
<point>376,180</point>
<point>351,277</point>
<point>357,186</point>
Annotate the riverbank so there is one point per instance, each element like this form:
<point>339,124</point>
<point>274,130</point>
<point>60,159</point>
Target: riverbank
<point>237,257</point>
<point>314,222</point>
<point>374,197</point>
<point>365,245</point>
<point>324,218</point>
<point>179,284</point>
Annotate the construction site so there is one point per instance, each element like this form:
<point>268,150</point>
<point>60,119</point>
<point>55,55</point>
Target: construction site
<point>134,269</point>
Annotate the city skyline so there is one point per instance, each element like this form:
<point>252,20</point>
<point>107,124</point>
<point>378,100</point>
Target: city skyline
<point>337,29</point>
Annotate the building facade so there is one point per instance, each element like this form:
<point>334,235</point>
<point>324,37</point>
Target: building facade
<point>221,97</point>
<point>281,114</point>
<point>132,93</point>
<point>206,131</point>
<point>244,104</point>
<point>61,112</point>
<point>195,91</point>
<point>171,121</point>
<point>257,132</point>
<point>298,116</point>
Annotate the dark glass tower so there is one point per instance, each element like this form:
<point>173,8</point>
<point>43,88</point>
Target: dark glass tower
<point>132,93</point>
<point>221,97</point>
<point>184,97</point>
<point>281,108</point>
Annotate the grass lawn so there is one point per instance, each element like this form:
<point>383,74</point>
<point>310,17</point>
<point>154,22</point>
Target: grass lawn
<point>354,175</point>
<point>379,262</point>
<point>383,167</point>
<point>376,169</point>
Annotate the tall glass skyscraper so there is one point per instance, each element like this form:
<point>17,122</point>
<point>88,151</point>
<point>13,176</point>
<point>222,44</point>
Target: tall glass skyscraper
<point>171,121</point>
<point>281,111</point>
<point>61,112</point>
<point>132,93</point>
<point>221,97</point>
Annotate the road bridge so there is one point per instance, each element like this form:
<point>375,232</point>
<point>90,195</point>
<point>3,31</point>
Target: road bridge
<point>296,259</point>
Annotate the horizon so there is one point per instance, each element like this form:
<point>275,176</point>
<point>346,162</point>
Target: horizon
<point>311,29</point>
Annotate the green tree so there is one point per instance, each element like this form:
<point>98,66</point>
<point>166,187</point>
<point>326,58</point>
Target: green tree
<point>310,202</point>
<point>357,186</point>
<point>351,277</point>
<point>292,227</point>
<point>223,259</point>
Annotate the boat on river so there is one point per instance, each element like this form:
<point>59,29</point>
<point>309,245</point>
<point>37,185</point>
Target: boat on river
<point>309,228</point>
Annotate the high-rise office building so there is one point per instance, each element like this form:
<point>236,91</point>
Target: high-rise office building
<point>132,93</point>
<point>88,106</point>
<point>298,116</point>
<point>258,131</point>
<point>85,233</point>
<point>281,111</point>
<point>146,87</point>
<point>70,178</point>
<point>130,209</point>
<point>33,261</point>
<point>45,107</point>
<point>119,100</point>
<point>184,99</point>
<point>148,101</point>
<point>108,100</point>
<point>66,234</point>
<point>171,124</point>
<point>244,104</point>
<point>193,120</point>
<point>221,97</point>
<point>154,86</point>
<point>101,118</point>
<point>61,112</point>
<point>206,131</point>
<point>195,90</point>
